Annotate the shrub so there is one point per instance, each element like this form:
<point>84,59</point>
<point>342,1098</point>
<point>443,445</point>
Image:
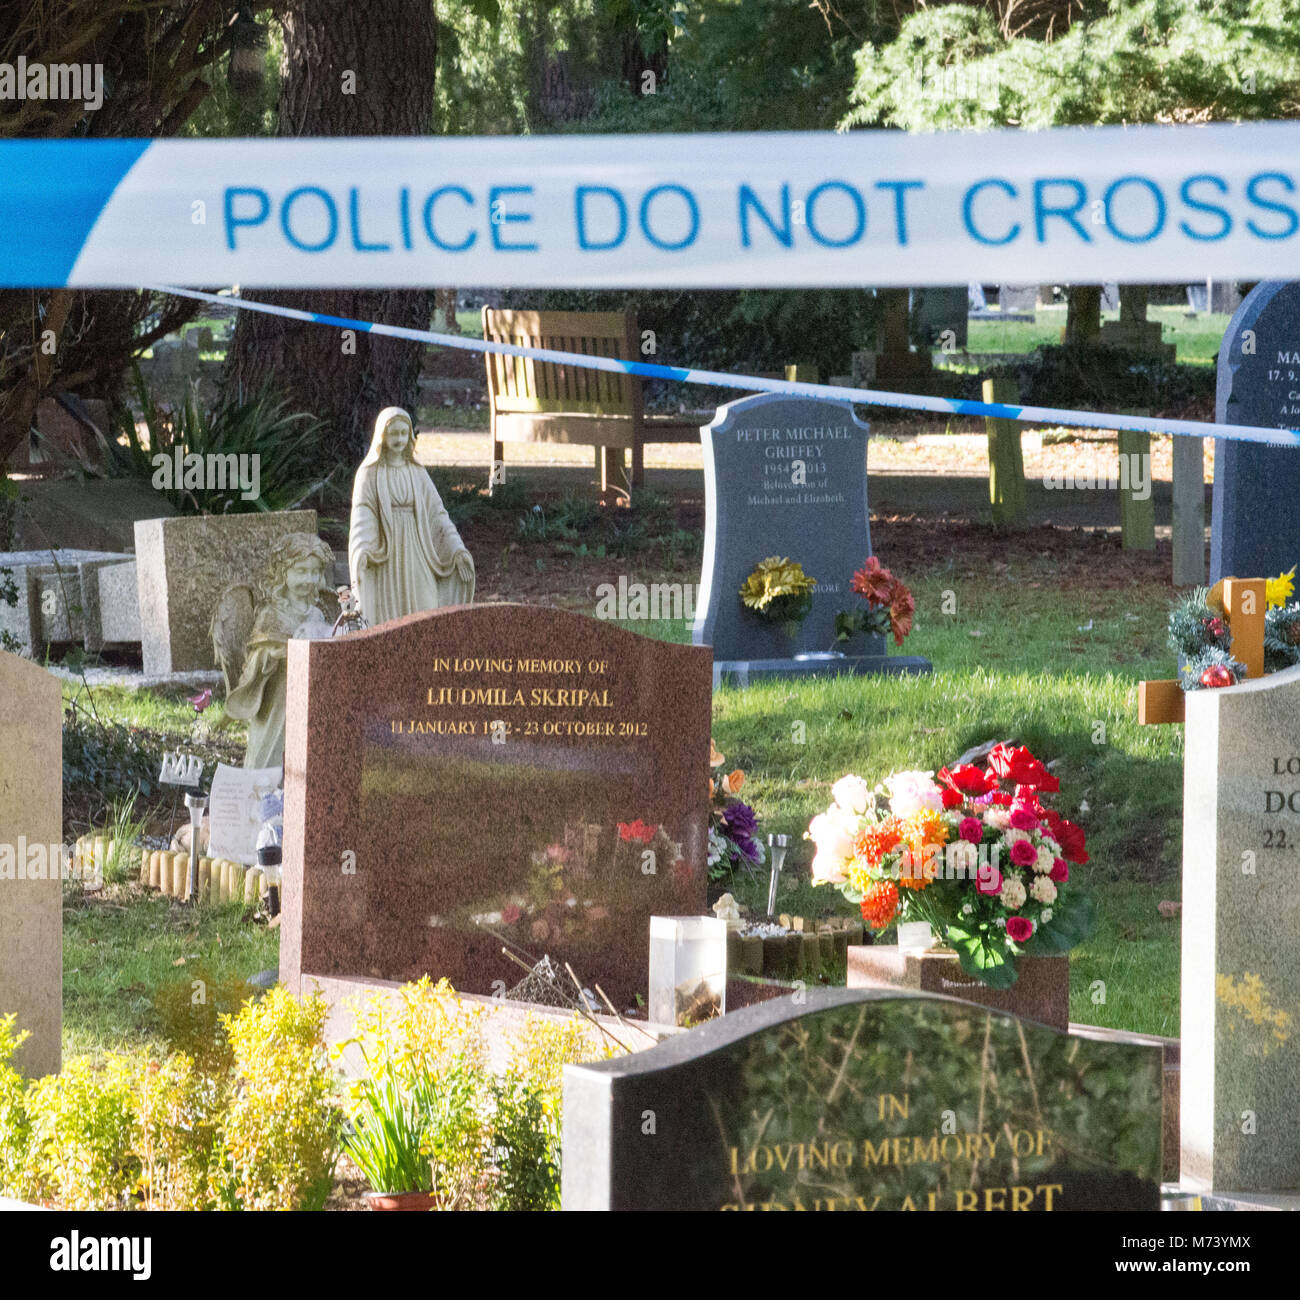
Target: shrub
<point>279,1137</point>
<point>82,1149</point>
<point>15,1123</point>
<point>525,1146</point>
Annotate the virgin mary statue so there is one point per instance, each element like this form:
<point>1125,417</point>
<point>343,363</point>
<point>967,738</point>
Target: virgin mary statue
<point>404,553</point>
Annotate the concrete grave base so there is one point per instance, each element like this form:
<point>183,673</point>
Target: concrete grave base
<point>740,672</point>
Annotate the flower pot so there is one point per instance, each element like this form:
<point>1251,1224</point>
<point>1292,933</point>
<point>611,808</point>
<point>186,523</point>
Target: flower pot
<point>401,1200</point>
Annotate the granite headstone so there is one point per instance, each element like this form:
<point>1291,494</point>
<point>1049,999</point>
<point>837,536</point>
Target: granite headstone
<point>463,780</point>
<point>1241,937</point>
<point>848,1099</point>
<point>1255,530</point>
<point>786,476</point>
<point>31,833</point>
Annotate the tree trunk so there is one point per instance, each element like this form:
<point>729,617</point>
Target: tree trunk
<point>1082,315</point>
<point>348,69</point>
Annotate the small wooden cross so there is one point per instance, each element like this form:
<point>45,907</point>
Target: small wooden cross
<point>1244,606</point>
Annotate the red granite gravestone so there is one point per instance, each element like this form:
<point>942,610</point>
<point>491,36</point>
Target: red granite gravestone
<point>465,780</point>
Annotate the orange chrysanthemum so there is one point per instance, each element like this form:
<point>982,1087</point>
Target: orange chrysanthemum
<point>876,841</point>
<point>880,904</point>
<point>922,830</point>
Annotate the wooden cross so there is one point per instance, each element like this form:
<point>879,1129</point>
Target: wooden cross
<point>1244,606</point>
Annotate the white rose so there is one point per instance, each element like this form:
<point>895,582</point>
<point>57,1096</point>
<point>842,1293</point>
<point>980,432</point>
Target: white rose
<point>1013,894</point>
<point>997,818</point>
<point>1043,890</point>
<point>961,857</point>
<point>852,794</point>
<point>1012,836</point>
<point>910,792</point>
<point>833,832</point>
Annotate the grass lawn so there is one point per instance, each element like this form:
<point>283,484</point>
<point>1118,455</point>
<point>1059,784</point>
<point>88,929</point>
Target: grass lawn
<point>1035,641</point>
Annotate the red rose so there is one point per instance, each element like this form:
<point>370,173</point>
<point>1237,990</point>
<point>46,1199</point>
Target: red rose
<point>1019,928</point>
<point>967,778</point>
<point>1023,819</point>
<point>1060,870</point>
<point>951,798</point>
<point>1072,841</point>
<point>1020,766</point>
<point>1023,854</point>
<point>971,829</point>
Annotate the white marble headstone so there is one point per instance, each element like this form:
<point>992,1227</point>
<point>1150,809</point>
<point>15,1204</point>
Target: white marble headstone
<point>1241,937</point>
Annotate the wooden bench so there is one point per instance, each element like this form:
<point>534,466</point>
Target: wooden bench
<point>544,401</point>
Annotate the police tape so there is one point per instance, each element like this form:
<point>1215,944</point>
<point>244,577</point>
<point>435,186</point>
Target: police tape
<point>755,383</point>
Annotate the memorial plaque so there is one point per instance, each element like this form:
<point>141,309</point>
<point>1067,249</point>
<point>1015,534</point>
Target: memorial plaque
<point>1241,937</point>
<point>867,1100</point>
<point>465,780</point>
<point>1255,531</point>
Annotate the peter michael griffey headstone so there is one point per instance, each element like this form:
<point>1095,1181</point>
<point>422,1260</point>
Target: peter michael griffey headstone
<point>1255,530</point>
<point>1241,937</point>
<point>867,1100</point>
<point>786,476</point>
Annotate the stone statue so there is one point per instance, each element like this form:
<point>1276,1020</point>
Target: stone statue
<point>251,631</point>
<point>404,553</point>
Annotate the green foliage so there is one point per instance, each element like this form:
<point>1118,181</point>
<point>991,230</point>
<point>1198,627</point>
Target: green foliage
<point>1282,637</point>
<point>525,1145</point>
<point>1104,379</point>
<point>104,761</point>
<point>261,427</point>
<point>83,1129</point>
<point>388,1120</point>
<point>188,1014</point>
<point>1153,61</point>
<point>279,1136</point>
<point>15,1122</point>
<point>746,330</point>
<point>123,833</point>
<point>1194,626</point>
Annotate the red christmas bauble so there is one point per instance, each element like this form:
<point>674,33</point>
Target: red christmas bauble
<point>1218,675</point>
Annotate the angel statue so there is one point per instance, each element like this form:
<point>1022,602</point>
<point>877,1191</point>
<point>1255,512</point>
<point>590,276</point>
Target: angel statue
<point>404,553</point>
<point>251,631</point>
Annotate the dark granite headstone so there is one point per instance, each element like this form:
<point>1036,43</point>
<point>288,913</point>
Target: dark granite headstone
<point>786,476</point>
<point>1255,531</point>
<point>867,1100</point>
<point>465,780</point>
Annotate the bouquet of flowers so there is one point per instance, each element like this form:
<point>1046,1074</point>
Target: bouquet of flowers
<point>733,825</point>
<point>779,591</point>
<point>973,852</point>
<point>889,605</point>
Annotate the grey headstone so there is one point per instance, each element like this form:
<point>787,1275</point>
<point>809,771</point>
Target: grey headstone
<point>841,1103</point>
<point>1018,298</point>
<point>939,316</point>
<point>1225,296</point>
<point>753,451</point>
<point>975,297</point>
<point>1255,530</point>
<point>1110,297</point>
<point>1241,937</point>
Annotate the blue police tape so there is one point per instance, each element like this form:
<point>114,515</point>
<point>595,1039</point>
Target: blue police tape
<point>753,383</point>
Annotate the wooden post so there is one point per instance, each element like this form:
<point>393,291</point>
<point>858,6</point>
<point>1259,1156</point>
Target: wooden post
<point>1137,518</point>
<point>1007,495</point>
<point>1245,604</point>
<point>1189,512</point>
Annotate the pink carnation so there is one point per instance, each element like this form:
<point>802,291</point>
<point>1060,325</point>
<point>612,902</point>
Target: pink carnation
<point>971,829</point>
<point>1060,870</point>
<point>1023,853</point>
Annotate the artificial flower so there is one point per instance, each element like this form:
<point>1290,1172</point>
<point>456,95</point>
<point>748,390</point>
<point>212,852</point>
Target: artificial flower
<point>637,830</point>
<point>1279,590</point>
<point>852,794</point>
<point>716,757</point>
<point>880,904</point>
<point>966,778</point>
<point>971,828</point>
<point>902,606</point>
<point>1016,763</point>
<point>1013,893</point>
<point>732,782</point>
<point>873,581</point>
<point>988,879</point>
<point>909,792</point>
<point>1060,871</point>
<point>1043,890</point>
<point>1019,929</point>
<point>1023,854</point>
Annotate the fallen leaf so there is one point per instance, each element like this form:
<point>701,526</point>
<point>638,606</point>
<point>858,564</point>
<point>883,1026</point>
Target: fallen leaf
<point>1168,909</point>
<point>180,961</point>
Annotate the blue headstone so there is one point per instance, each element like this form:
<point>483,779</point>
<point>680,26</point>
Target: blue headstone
<point>1255,531</point>
<point>786,476</point>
